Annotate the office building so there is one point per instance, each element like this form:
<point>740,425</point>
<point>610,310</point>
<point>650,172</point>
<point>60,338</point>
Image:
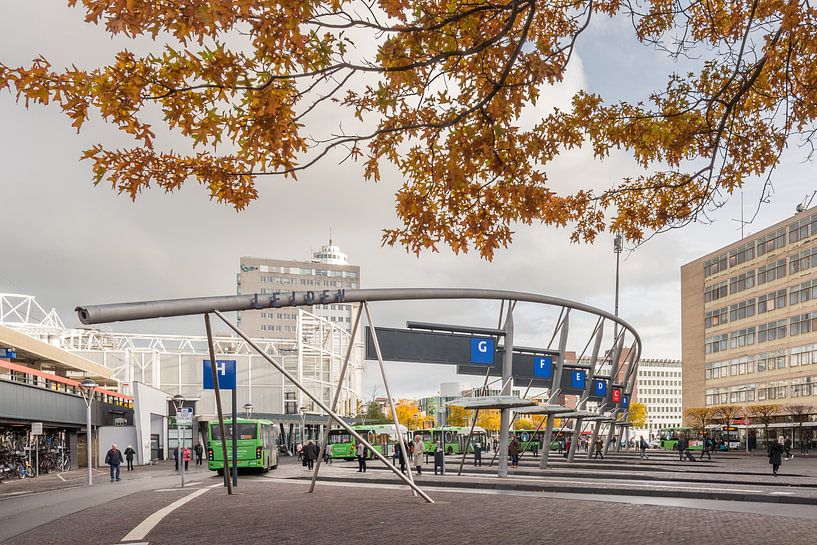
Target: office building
<point>749,319</point>
<point>328,269</point>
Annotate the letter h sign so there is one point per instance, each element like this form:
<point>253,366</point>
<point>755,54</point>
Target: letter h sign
<point>225,370</point>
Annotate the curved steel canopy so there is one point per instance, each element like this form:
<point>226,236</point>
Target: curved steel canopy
<point>143,310</point>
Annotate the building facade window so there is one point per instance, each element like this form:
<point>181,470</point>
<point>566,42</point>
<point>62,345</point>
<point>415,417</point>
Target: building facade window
<point>803,323</point>
<point>771,301</point>
<point>717,343</point>
<point>742,254</point>
<point>715,265</point>
<point>771,241</point>
<point>771,331</point>
<point>742,282</point>
<point>803,292</point>
<point>803,228</point>
<point>715,317</point>
<point>715,291</point>
<point>802,261</point>
<point>742,337</point>
<point>744,309</point>
<point>771,272</point>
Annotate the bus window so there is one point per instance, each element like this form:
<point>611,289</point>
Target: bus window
<point>340,437</point>
<point>245,431</point>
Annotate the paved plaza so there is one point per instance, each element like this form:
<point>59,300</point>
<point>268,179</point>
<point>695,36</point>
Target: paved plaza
<point>618,500</point>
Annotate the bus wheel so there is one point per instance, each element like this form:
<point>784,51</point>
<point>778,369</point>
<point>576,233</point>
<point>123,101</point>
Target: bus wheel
<point>449,450</point>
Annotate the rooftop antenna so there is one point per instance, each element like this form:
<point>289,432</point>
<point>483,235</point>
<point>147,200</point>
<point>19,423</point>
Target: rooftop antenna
<point>330,236</point>
<point>742,221</point>
<point>805,203</point>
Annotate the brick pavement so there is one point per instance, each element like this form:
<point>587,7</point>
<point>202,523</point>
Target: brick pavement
<point>276,512</point>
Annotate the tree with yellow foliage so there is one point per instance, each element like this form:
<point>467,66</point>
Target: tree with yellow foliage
<point>488,419</point>
<point>638,414</point>
<point>522,424</point>
<point>457,416</point>
<point>445,91</point>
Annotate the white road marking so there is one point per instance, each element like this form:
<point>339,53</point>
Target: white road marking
<point>150,523</point>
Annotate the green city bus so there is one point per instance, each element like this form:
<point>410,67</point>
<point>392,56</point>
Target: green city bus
<point>380,436</point>
<point>454,438</point>
<point>668,438</point>
<point>529,438</point>
<point>256,440</point>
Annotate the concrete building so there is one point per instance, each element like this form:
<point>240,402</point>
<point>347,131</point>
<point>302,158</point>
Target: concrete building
<point>328,269</point>
<point>658,386</point>
<point>749,319</point>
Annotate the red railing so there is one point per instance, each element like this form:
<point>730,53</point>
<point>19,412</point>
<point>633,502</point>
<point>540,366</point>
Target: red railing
<point>35,377</point>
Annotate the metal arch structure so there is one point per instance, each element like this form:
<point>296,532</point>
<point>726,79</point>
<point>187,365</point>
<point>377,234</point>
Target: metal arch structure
<point>24,313</point>
<point>96,314</point>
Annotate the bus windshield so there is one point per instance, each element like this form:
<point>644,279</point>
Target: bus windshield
<point>245,431</point>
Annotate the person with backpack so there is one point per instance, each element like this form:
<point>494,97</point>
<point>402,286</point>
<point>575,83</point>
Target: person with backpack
<point>599,446</point>
<point>642,446</point>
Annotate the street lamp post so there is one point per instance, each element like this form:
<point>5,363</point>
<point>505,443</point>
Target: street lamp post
<point>87,389</point>
<point>745,390</point>
<point>248,409</point>
<point>618,246</point>
<point>178,401</point>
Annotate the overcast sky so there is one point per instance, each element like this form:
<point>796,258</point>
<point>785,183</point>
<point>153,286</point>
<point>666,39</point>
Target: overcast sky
<point>69,243</point>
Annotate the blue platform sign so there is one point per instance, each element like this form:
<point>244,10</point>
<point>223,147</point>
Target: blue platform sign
<point>578,379</point>
<point>543,367</point>
<point>625,401</point>
<point>8,353</point>
<point>599,387</point>
<point>482,350</point>
<point>225,370</point>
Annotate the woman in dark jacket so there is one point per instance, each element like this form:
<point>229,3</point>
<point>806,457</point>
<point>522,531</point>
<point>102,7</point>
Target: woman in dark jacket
<point>776,455</point>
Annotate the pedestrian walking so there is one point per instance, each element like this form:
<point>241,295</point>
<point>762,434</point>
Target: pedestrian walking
<point>514,448</point>
<point>775,454</point>
<point>176,457</point>
<point>787,448</point>
<point>534,447</point>
<point>299,449</point>
<point>360,451</point>
<point>419,448</point>
<point>199,450</point>
<point>311,453</point>
<point>477,455</point>
<point>187,455</point>
<point>568,444</point>
<point>708,445</point>
<point>805,439</point>
<point>599,445</point>
<point>114,459</point>
<point>401,456</point>
<point>129,452</point>
<point>642,446</point>
<point>327,454</point>
<point>681,447</point>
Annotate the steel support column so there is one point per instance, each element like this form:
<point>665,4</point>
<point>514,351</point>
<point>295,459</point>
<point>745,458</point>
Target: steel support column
<point>507,387</point>
<point>555,389</point>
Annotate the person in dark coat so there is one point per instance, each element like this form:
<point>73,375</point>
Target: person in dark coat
<point>311,453</point>
<point>129,452</point>
<point>477,455</point>
<point>776,455</point>
<point>199,450</point>
<point>114,459</point>
<point>787,448</point>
